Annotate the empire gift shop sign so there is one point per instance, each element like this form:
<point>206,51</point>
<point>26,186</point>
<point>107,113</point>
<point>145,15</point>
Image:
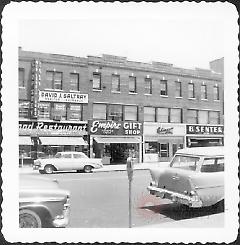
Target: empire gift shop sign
<point>106,127</point>
<point>63,97</point>
<point>52,128</point>
<point>205,129</point>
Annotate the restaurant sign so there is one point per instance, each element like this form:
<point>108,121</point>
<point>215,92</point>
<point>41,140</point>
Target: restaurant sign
<point>53,96</point>
<point>205,129</point>
<point>105,127</point>
<point>51,128</point>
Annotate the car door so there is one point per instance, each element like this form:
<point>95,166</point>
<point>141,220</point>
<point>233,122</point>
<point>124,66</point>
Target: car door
<point>80,160</point>
<point>65,162</point>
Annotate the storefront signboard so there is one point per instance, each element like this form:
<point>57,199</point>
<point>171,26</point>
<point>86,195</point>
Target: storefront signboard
<point>54,96</point>
<point>107,127</point>
<point>205,129</point>
<point>164,129</point>
<point>51,128</point>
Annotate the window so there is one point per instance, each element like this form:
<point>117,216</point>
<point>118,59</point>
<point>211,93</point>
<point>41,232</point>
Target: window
<point>130,113</point>
<point>214,117</point>
<point>54,79</point>
<point>75,112</point>
<point>213,165</point>
<point>191,116</point>
<point>149,114</point>
<point>115,113</point>
<point>115,83</point>
<point>178,91</point>
<point>185,162</point>
<point>216,92</point>
<point>59,111</point>
<point>191,92</point>
<point>175,115</point>
<point>99,111</point>
<point>203,117</point>
<point>163,87</point>
<point>151,147</point>
<point>74,81</point>
<point>44,110</point>
<point>132,84</point>
<point>67,155</point>
<point>162,114</point>
<point>97,81</point>
<point>148,85</point>
<point>21,73</point>
<point>164,150</point>
<point>23,109</point>
<point>203,92</point>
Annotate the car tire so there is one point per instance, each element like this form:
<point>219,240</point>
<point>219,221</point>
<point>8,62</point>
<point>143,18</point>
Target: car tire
<point>87,169</point>
<point>41,171</point>
<point>29,219</point>
<point>48,169</point>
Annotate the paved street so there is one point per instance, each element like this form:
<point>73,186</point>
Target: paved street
<point>100,200</point>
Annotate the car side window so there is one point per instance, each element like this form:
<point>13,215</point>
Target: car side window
<point>67,155</point>
<point>212,165</point>
<point>77,156</point>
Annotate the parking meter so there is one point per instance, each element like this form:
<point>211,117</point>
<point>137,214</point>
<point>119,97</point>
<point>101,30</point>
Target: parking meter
<point>130,168</point>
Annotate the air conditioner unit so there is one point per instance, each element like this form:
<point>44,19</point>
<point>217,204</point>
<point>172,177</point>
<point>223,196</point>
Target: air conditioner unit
<point>57,118</point>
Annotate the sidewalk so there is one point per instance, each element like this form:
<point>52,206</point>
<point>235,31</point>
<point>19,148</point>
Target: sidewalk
<point>110,168</point>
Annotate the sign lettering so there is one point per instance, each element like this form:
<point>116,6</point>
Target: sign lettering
<point>204,129</point>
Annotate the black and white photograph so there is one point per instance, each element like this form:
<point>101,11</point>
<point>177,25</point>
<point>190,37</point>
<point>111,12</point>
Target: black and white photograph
<point>117,121</point>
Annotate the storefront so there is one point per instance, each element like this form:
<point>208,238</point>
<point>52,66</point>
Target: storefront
<point>45,139</point>
<point>204,135</point>
<point>112,140</point>
<point>162,140</point>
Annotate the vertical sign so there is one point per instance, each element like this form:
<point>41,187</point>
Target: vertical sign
<point>35,82</point>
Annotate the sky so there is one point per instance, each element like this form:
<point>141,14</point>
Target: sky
<point>185,37</point>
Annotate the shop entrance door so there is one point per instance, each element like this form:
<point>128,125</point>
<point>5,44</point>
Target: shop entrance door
<point>118,152</point>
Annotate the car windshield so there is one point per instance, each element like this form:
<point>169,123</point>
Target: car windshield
<point>58,155</point>
<point>184,162</point>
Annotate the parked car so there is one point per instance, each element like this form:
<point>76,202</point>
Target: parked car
<point>195,177</point>
<point>42,204</point>
<point>65,161</point>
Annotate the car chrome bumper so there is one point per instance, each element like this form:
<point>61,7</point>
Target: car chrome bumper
<point>175,197</point>
<point>62,220</point>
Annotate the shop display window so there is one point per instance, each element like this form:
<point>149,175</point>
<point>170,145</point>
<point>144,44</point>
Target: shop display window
<point>163,87</point>
<point>203,117</point>
<point>44,110</point>
<point>131,113</point>
<point>162,114</point>
<point>99,111</point>
<point>75,112</point>
<point>97,81</point>
<point>21,82</point>
<point>132,84</point>
<point>23,109</point>
<point>115,113</point>
<point>59,111</point>
<point>175,115</point>
<point>164,150</point>
<point>192,116</point>
<point>151,147</point>
<point>149,114</point>
<point>214,117</point>
<point>148,85</point>
<point>74,81</point>
<point>115,83</point>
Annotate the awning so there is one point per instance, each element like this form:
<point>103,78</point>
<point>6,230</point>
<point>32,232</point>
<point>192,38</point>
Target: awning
<point>104,140</point>
<point>62,141</point>
<point>25,140</point>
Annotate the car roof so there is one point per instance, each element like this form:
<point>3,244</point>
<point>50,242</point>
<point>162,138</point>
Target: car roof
<point>203,151</point>
<point>71,152</point>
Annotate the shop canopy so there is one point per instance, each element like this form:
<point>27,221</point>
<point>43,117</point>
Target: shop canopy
<point>104,140</point>
<point>62,141</point>
<point>25,140</point>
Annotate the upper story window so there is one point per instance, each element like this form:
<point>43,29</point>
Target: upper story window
<point>178,89</point>
<point>130,113</point>
<point>115,83</point>
<point>203,117</point>
<point>115,112</point>
<point>97,81</point>
<point>216,92</point>
<point>175,115</point>
<point>162,114</point>
<point>74,81</point>
<point>132,84</point>
<point>54,79</point>
<point>214,117</point>
<point>191,90</point>
<point>99,111</point>
<point>149,114</point>
<point>192,116</point>
<point>44,110</point>
<point>75,112</point>
<point>21,74</point>
<point>163,87</point>
<point>59,111</point>
<point>148,85</point>
<point>23,109</point>
<point>203,92</point>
